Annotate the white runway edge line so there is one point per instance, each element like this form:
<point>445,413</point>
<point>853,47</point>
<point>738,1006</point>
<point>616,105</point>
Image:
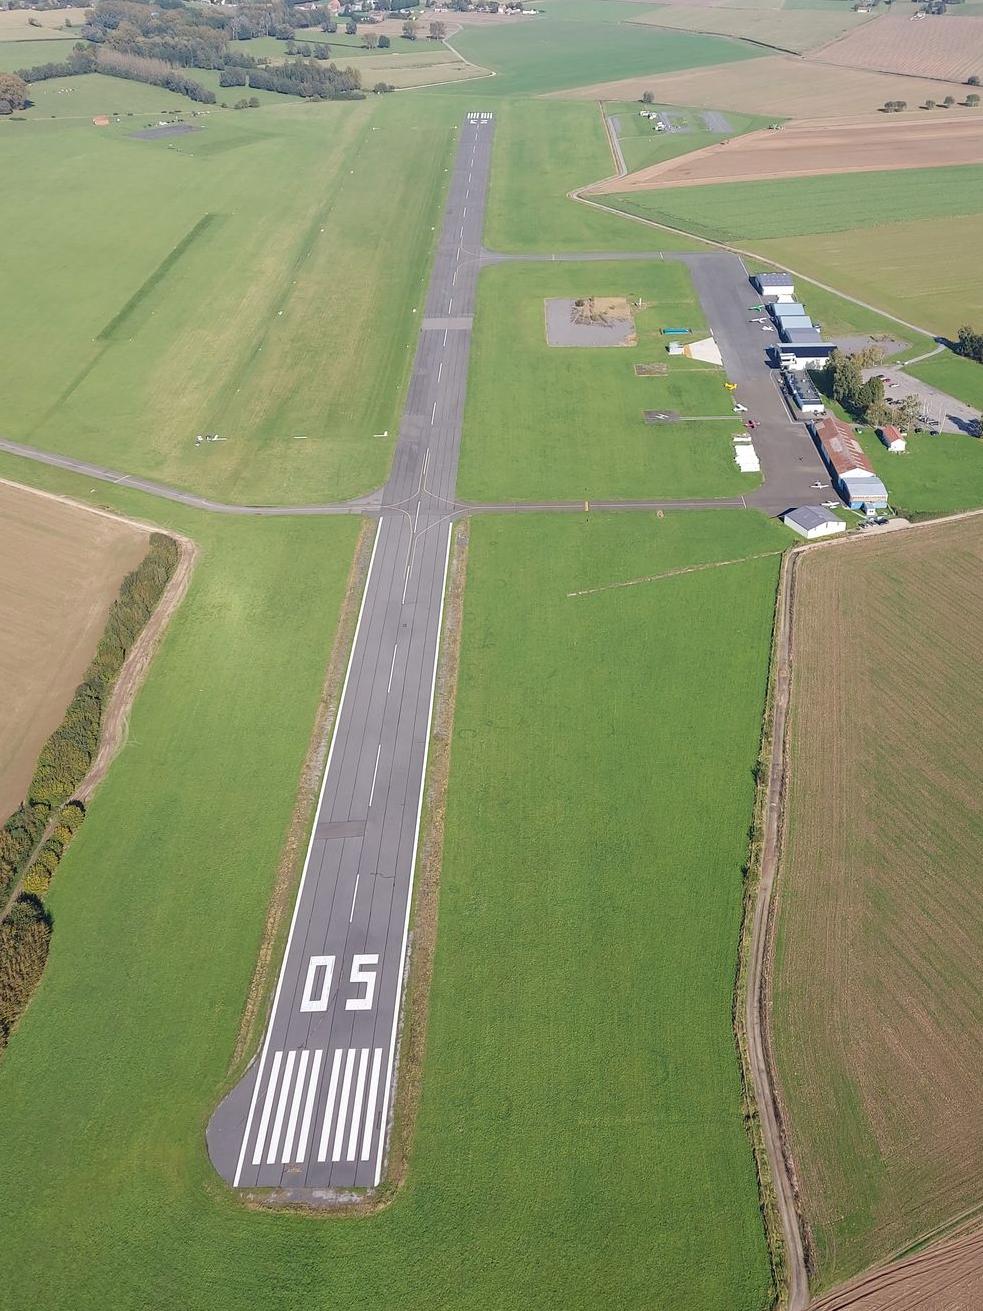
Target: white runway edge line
<point>303,877</point>
<point>387,1091</point>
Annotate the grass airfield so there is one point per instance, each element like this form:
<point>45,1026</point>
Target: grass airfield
<point>580,1138</point>
<point>581,1098</point>
<point>240,281</point>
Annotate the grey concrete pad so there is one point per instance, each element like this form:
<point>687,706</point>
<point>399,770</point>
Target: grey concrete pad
<point>714,121</point>
<point>165,130</point>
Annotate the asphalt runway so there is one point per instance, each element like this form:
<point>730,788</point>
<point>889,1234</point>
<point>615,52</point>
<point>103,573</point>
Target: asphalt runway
<point>313,1110</point>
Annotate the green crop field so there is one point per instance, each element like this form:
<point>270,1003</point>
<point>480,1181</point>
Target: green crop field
<point>568,47</point>
<point>24,54</point>
<point>256,279</point>
<point>544,149</point>
<point>807,206</point>
<point>919,270</point>
<point>580,1138</point>
<point>547,422</point>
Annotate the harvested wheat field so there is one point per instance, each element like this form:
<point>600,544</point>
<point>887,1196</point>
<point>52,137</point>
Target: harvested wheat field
<point>845,145</point>
<point>896,43</point>
<point>948,1276</point>
<point>795,30</point>
<point>60,570</point>
<point>779,85</point>
<point>878,1012</point>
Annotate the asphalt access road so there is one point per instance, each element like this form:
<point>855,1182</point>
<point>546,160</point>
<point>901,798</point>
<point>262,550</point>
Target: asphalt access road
<point>313,1110</point>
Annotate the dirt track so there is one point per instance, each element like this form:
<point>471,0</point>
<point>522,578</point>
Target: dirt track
<point>870,143</point>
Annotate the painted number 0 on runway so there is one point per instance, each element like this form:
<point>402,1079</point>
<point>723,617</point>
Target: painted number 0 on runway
<point>317,991</point>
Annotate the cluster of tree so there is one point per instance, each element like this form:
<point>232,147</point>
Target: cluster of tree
<point>24,939</point>
<point>438,31</point>
<point>251,103</point>
<point>844,381</point>
<point>895,106</point>
<point>154,72</point>
<point>310,79</point>
<point>13,92</point>
<point>383,88</point>
<point>69,751</point>
<point>970,343</point>
<point>309,50</point>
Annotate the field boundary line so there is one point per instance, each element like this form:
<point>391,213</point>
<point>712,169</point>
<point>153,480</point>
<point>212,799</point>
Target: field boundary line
<point>577,195</point>
<point>114,723</point>
<point>673,573</point>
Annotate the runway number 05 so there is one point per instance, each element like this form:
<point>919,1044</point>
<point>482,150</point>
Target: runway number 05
<point>320,973</point>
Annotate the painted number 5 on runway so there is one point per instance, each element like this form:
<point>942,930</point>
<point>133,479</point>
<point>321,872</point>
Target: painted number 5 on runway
<point>320,973</point>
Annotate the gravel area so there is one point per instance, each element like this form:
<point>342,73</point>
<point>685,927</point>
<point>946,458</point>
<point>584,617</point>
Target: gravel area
<point>167,130</point>
<point>562,331</point>
<point>956,417</point>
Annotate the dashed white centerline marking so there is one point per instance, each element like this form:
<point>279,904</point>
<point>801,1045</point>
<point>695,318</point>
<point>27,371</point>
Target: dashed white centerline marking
<point>450,304</point>
<point>392,670</point>
<point>351,914</point>
<point>375,772</point>
<point>416,517</point>
<point>433,413</point>
<point>440,366</point>
<point>445,336</point>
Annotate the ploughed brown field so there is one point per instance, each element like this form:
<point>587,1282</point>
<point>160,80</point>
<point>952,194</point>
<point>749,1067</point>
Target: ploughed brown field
<point>846,145</point>
<point>878,1010</point>
<point>796,30</point>
<point>946,1276</point>
<point>782,85</point>
<point>60,570</point>
<point>897,43</point>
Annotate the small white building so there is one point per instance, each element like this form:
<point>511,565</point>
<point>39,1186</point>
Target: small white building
<point>892,438</point>
<point>812,521</point>
<point>781,285</point>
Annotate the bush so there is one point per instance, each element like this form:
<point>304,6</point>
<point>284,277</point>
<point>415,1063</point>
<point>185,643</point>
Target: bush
<point>25,936</point>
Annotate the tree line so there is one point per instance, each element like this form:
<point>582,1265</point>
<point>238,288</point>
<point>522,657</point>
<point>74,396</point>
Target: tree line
<point>25,932</point>
<point>69,751</point>
<point>310,79</point>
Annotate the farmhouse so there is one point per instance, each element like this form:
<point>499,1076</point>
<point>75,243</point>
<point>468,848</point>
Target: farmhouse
<point>802,393</point>
<point>892,438</point>
<point>812,521</point>
<point>853,474</point>
<point>774,284</point>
